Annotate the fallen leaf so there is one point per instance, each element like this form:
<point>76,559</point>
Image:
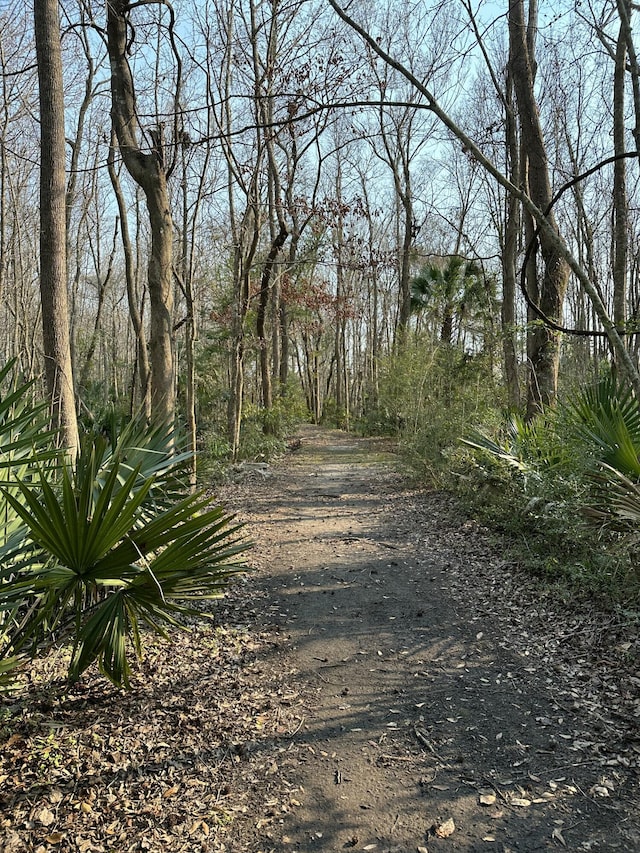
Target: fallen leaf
<point>55,837</point>
<point>487,798</point>
<point>557,836</point>
<point>45,816</point>
<point>520,802</point>
<point>171,792</point>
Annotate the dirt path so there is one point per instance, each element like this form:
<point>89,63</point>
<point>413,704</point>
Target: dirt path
<point>386,681</point>
<point>449,704</point>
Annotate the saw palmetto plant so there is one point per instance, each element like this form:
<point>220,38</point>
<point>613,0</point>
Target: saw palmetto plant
<point>96,551</point>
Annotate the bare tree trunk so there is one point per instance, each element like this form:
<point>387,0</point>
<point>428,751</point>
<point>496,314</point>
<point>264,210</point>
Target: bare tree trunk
<point>53,255</point>
<point>148,171</point>
<point>188,269</point>
<point>264,72</point>
<point>142,355</point>
<point>544,352</point>
<point>509,257</point>
<point>261,314</point>
<point>620,239</point>
<point>103,283</point>
<point>283,334</point>
<point>405,266</point>
<point>244,255</point>
<point>624,11</point>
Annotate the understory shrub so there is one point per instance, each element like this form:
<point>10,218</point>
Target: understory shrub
<point>428,395</point>
<point>567,485</point>
<point>263,434</point>
<point>93,552</point>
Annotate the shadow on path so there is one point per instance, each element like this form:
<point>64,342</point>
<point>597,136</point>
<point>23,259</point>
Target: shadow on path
<point>426,726</point>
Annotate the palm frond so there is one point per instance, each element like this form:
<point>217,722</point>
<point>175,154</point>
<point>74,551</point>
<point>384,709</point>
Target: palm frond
<point>97,560</point>
<point>606,418</point>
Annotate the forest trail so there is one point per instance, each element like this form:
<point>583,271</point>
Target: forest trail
<point>450,703</point>
<point>387,680</point>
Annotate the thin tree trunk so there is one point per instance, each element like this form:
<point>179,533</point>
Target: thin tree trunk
<point>544,352</point>
<point>509,257</point>
<point>620,240</point>
<point>53,255</point>
<point>103,283</point>
<point>142,354</point>
<point>261,314</point>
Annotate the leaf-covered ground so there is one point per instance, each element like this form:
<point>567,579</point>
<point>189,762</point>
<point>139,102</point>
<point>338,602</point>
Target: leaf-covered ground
<point>187,758</point>
<point>385,681</point>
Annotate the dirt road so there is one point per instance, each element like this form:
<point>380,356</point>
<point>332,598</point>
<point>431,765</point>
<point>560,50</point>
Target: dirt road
<point>451,704</point>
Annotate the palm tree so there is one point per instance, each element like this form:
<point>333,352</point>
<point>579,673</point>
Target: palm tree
<point>449,288</point>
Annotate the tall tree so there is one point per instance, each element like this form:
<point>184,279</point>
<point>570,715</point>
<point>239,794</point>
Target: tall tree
<point>53,255</point>
<point>544,347</point>
<point>149,171</point>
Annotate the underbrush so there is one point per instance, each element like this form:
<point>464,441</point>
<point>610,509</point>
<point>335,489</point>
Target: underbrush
<point>263,437</point>
<point>564,488</point>
<point>427,396</point>
<point>96,549</point>
<point>562,491</point>
<point>542,526</point>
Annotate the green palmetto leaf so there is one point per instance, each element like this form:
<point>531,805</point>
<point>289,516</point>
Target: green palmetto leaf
<point>619,503</point>
<point>103,637</point>
<point>606,418</point>
<point>527,446</point>
<point>9,669</point>
<point>152,452</point>
<point>70,526</point>
<point>102,561</point>
<point>480,442</point>
<point>25,441</point>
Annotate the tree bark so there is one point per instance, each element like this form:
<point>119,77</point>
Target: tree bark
<point>148,171</point>
<point>544,350</point>
<point>509,254</point>
<point>53,255</point>
<point>142,355</point>
<point>261,315</point>
<point>620,240</point>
